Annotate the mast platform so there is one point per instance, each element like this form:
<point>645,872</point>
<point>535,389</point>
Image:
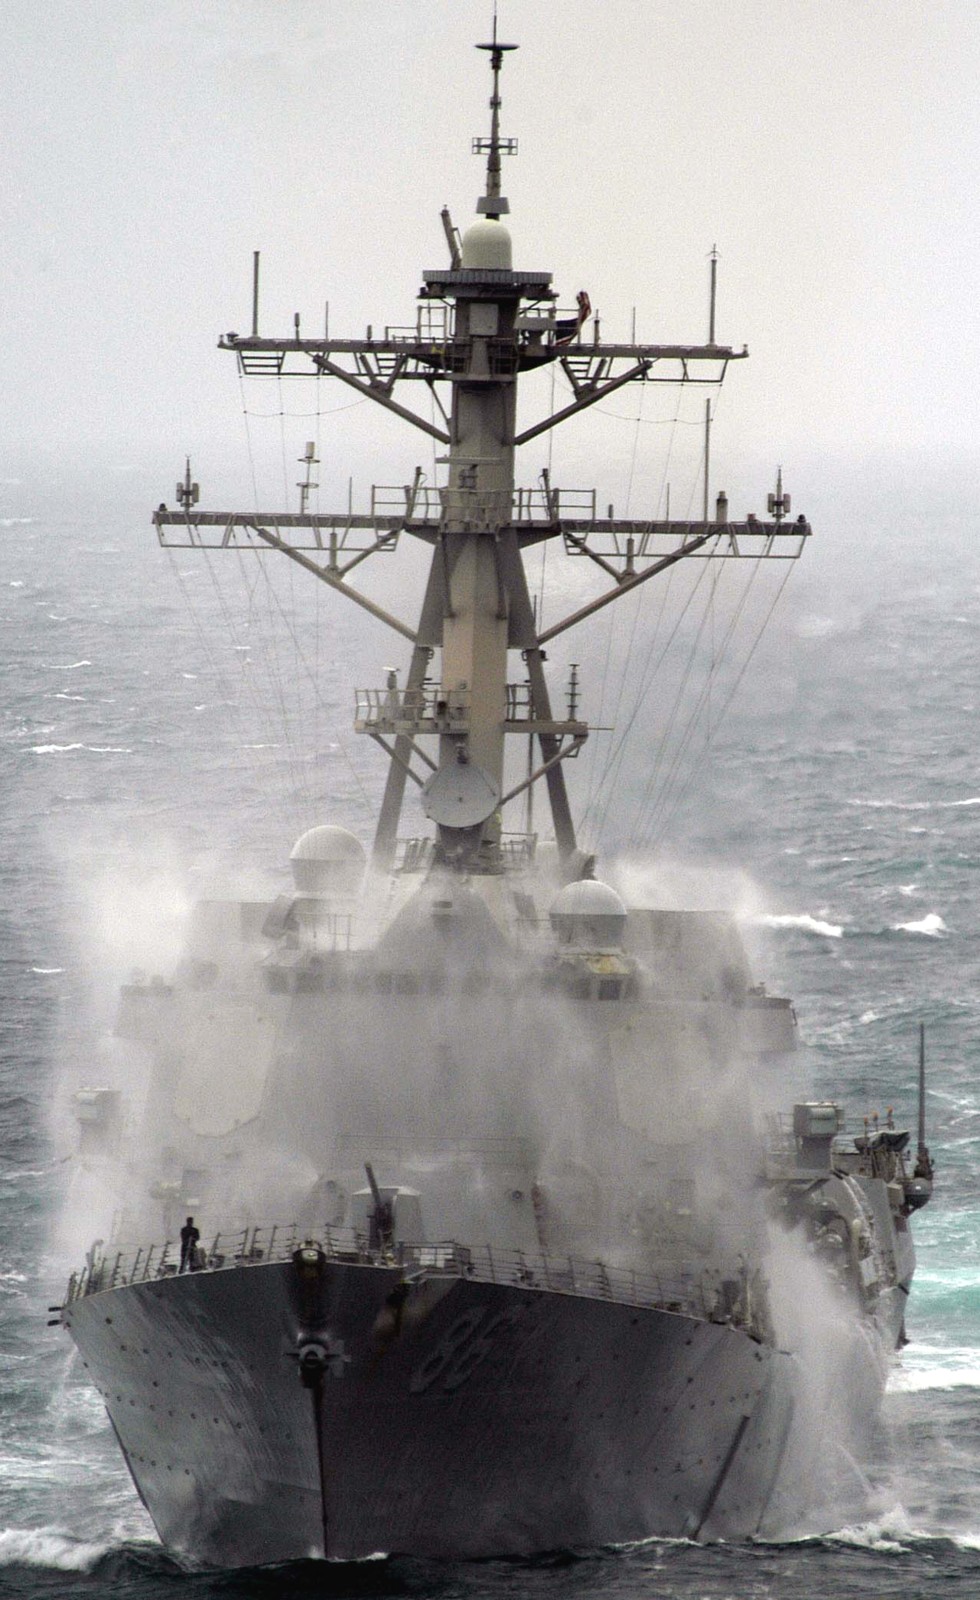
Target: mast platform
<point>595,536</point>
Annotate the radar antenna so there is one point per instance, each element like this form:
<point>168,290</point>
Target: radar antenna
<point>493,203</point>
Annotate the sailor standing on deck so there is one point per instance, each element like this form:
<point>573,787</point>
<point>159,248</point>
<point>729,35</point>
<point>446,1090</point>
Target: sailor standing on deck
<point>189,1236</point>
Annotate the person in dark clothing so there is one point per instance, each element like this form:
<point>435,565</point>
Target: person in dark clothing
<point>189,1236</point>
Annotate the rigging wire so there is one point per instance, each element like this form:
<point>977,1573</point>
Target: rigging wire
<point>274,670</point>
<point>666,736</point>
<point>665,800</point>
<point>595,791</point>
<point>262,710</point>
<point>303,661</point>
<point>545,542</point>
<point>703,699</point>
<point>298,777</point>
<point>326,411</point>
<point>248,440</point>
<point>217,675</point>
<point>618,750</point>
<point>682,795</point>
<point>637,599</point>
<point>281,415</point>
<point>707,618</point>
<point>651,422</point>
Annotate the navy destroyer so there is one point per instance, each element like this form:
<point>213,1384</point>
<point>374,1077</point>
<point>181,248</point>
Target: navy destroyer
<point>539,1277</point>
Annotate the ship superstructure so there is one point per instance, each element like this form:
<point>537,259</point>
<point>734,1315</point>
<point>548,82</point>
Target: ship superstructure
<point>524,1292</point>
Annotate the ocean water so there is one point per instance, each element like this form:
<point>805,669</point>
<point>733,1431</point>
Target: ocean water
<point>153,737</point>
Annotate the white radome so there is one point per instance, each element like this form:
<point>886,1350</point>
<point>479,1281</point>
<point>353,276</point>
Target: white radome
<point>326,860</point>
<point>588,915</point>
<point>486,243</point>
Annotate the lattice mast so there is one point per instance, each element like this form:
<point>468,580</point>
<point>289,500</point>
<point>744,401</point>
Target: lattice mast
<point>481,324</point>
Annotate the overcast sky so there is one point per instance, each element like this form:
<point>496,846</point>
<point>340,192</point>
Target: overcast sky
<point>830,148</point>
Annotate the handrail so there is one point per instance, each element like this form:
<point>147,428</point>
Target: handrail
<point>739,1300</point>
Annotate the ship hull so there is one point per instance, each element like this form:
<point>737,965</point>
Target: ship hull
<point>476,1419</point>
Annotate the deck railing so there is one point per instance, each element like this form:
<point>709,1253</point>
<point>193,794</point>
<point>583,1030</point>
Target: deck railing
<point>738,1300</point>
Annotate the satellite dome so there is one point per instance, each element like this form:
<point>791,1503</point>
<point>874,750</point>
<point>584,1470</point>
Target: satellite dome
<point>588,915</point>
<point>327,860</point>
<point>486,243</point>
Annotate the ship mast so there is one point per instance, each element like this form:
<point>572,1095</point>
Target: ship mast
<point>480,325</point>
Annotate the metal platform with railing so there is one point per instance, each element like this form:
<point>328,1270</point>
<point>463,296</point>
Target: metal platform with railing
<point>707,1295</point>
<point>517,853</point>
<point>437,710</point>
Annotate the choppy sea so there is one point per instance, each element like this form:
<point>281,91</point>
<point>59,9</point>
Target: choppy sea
<point>153,738</point>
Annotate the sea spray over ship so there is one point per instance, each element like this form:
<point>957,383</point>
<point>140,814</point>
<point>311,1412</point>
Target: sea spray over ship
<point>525,1071</point>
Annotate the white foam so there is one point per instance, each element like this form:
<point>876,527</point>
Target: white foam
<point>893,805</point>
<point>925,1367</point>
<point>48,1547</point>
<point>932,926</point>
<point>71,666</point>
<point>93,749</point>
<point>47,972</point>
<point>805,924</point>
<point>914,805</point>
<point>893,1532</point>
<point>902,1382</point>
<point>869,1536</point>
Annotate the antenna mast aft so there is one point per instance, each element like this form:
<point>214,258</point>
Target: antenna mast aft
<point>493,203</point>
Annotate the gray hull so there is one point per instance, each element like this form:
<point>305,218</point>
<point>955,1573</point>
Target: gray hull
<point>481,1419</point>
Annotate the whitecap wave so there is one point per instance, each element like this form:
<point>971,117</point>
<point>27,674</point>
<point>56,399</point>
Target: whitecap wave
<point>48,1547</point>
<point>913,805</point>
<point>93,749</point>
<point>892,805</point>
<point>804,923</point>
<point>47,972</point>
<point>894,1533</point>
<point>880,1535</point>
<point>67,666</point>
<point>924,1367</point>
<point>932,926</point>
<point>939,1378</point>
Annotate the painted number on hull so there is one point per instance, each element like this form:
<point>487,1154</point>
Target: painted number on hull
<point>467,1342</point>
